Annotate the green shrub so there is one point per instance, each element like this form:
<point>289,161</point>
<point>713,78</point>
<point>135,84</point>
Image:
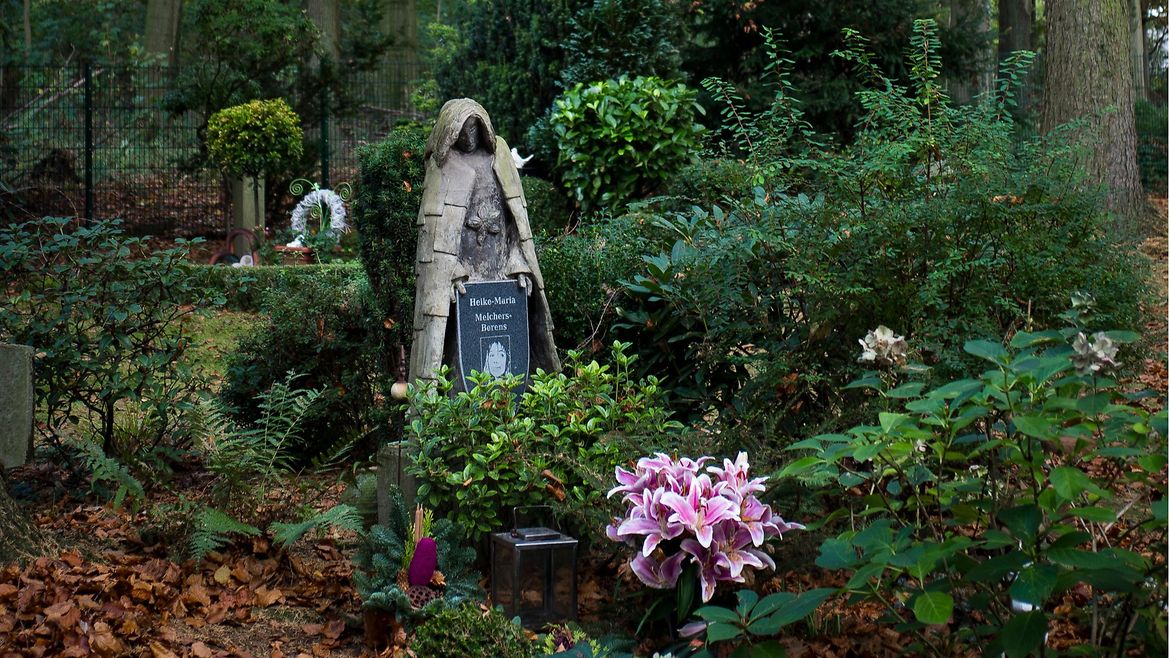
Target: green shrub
<point>709,182</point>
<point>319,326</point>
<point>481,454</point>
<point>991,497</point>
<point>622,139</point>
<point>581,271</point>
<point>105,315</point>
<point>937,223</point>
<point>466,631</point>
<point>255,137</point>
<point>386,203</point>
<point>243,288</point>
<point>550,212</point>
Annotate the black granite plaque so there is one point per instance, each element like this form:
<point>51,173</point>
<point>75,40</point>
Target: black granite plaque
<point>492,317</point>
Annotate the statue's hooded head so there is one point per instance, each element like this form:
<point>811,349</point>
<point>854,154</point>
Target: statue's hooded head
<point>463,124</point>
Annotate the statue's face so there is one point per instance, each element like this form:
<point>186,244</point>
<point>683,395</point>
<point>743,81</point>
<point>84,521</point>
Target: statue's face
<point>469,136</point>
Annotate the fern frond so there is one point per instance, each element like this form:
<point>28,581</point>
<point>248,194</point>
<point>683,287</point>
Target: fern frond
<point>335,453</point>
<point>107,469</point>
<point>212,530</point>
<point>341,516</point>
<point>363,496</point>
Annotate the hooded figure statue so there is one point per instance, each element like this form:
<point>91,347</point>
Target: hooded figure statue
<point>473,226</point>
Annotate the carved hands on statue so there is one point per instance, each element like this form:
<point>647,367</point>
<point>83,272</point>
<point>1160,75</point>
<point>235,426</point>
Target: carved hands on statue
<point>525,284</point>
<point>457,288</point>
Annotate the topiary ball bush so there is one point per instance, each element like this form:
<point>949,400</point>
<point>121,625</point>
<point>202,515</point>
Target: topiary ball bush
<point>255,137</point>
<point>621,139</point>
<point>467,631</point>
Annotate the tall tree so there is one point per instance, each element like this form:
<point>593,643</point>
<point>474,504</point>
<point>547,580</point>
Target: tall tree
<point>162,28</point>
<point>1017,19</point>
<point>973,16</point>
<point>326,15</point>
<point>400,22</point>
<point>1087,76</point>
<point>1137,51</point>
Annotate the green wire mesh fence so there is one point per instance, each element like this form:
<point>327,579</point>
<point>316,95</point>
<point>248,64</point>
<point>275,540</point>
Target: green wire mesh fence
<point>96,142</point>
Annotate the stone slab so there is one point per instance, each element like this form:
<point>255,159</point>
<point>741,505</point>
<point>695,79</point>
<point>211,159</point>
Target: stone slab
<point>492,319</point>
<point>17,402</point>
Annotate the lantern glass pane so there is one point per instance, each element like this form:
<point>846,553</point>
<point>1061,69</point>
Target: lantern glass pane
<point>504,557</point>
<point>564,583</point>
<point>534,569</point>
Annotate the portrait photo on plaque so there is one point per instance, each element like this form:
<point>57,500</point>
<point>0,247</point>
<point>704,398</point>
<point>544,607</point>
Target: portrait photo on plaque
<point>497,359</point>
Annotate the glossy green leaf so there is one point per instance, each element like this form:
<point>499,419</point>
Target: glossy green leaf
<point>746,600</point>
<point>1034,584</point>
<point>1039,427</point>
<point>714,613</point>
<point>802,606</point>
<point>1024,633</point>
<point>986,349</point>
<point>836,554</point>
<point>1023,521</point>
<point>719,631</point>
<point>1070,482</point>
<point>933,607</point>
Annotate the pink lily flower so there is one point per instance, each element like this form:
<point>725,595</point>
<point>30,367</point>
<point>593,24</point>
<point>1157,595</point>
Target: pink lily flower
<point>699,514</point>
<point>659,575</point>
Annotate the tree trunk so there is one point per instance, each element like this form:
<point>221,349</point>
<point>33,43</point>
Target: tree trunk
<point>1087,69</point>
<point>401,65</point>
<point>1016,21</point>
<point>326,15</point>
<point>975,14</point>
<point>19,538</point>
<point>162,29</point>
<point>1137,51</point>
<point>1016,18</point>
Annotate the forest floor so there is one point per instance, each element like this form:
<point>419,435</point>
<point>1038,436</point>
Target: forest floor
<point>109,590</point>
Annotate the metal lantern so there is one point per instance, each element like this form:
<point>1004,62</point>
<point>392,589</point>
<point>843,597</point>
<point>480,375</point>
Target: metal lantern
<point>534,574</point>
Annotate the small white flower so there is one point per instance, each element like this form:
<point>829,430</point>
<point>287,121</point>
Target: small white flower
<point>1093,357</point>
<point>883,347</point>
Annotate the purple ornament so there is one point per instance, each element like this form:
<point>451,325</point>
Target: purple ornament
<point>423,564</point>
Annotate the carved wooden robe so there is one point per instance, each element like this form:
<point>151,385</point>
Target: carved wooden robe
<point>473,226</point>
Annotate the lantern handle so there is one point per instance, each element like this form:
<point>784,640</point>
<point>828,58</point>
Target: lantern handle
<point>516,510</point>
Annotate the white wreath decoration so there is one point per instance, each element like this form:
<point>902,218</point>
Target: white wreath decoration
<point>319,200</point>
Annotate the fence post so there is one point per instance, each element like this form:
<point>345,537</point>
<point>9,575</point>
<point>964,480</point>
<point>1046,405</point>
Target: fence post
<point>87,74</point>
<point>325,137</point>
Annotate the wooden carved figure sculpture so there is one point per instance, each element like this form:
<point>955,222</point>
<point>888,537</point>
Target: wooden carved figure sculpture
<point>473,226</point>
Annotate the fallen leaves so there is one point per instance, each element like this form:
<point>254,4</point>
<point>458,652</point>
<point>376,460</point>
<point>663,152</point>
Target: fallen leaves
<point>128,602</point>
